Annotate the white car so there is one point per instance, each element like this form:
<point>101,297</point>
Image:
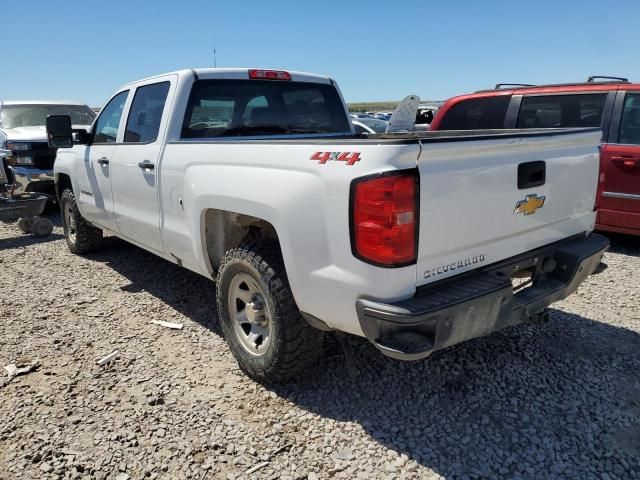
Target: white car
<point>257,180</point>
<point>369,125</point>
<point>23,123</point>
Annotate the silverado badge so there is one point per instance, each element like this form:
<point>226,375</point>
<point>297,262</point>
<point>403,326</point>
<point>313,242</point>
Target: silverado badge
<point>530,204</point>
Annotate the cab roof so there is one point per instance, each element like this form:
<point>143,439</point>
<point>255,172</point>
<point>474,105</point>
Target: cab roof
<point>237,73</point>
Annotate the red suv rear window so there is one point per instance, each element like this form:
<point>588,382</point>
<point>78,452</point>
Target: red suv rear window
<point>477,113</point>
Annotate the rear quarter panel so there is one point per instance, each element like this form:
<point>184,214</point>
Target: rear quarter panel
<point>307,203</point>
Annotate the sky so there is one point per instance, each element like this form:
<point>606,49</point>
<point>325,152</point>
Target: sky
<point>377,51</point>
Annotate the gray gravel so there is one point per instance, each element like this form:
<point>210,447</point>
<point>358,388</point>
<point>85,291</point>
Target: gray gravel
<point>554,401</point>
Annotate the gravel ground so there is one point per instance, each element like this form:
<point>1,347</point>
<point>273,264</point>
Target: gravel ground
<point>554,401</point>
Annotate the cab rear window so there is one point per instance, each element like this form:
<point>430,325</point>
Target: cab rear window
<point>477,113</point>
<point>231,108</point>
<point>561,111</point>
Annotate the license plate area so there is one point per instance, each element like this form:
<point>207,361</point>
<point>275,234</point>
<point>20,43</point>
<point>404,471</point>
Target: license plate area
<point>523,273</point>
<point>521,279</point>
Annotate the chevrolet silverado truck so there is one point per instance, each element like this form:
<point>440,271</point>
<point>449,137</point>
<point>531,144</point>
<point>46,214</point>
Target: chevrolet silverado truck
<point>31,158</point>
<point>257,180</point>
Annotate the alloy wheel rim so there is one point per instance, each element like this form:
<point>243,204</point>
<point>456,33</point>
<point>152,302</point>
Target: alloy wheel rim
<point>250,314</point>
<point>70,222</point>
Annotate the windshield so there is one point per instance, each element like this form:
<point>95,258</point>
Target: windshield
<point>14,116</point>
<point>226,108</point>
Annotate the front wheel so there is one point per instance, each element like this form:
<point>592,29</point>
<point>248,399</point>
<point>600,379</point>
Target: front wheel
<point>259,317</point>
<point>81,236</point>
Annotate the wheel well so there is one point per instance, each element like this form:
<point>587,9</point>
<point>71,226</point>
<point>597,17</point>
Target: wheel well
<point>224,230</point>
<point>63,182</point>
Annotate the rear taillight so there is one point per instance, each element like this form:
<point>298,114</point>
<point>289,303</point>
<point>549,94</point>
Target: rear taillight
<point>384,218</point>
<point>269,75</point>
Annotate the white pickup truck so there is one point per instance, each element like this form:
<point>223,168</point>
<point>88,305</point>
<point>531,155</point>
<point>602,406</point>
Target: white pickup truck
<point>257,180</point>
<point>31,159</point>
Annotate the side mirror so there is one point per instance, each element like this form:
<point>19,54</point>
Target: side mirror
<point>59,132</point>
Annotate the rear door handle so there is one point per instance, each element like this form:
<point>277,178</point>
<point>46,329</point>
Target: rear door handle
<point>103,161</point>
<point>146,165</point>
<point>627,161</point>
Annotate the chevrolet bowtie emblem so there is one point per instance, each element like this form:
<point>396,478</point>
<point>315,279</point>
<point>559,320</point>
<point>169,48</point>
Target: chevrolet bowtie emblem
<point>529,205</point>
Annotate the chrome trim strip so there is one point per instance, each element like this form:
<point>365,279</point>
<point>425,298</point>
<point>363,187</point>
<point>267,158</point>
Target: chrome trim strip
<point>628,196</point>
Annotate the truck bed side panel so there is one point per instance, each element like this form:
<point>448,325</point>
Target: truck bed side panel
<point>306,201</point>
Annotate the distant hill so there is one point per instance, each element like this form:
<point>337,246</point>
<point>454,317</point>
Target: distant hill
<point>372,106</point>
<point>381,106</point>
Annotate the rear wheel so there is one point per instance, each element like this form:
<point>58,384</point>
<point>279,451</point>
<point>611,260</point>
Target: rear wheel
<point>81,236</point>
<point>259,317</point>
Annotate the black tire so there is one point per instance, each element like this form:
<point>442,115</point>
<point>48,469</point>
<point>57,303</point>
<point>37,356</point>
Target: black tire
<point>26,223</point>
<point>51,206</point>
<point>41,227</point>
<point>294,345</point>
<point>82,237</point>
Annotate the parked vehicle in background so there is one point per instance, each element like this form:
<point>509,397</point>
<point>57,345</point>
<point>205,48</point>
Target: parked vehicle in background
<point>611,103</point>
<point>383,116</point>
<point>369,125</point>
<point>256,179</point>
<point>23,208</point>
<point>361,115</point>
<point>31,158</point>
<point>361,127</point>
<point>425,115</point>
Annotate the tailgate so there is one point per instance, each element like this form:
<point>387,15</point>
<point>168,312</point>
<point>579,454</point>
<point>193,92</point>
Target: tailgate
<point>484,198</point>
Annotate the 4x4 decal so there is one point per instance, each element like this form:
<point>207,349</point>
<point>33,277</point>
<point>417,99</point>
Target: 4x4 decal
<point>323,157</point>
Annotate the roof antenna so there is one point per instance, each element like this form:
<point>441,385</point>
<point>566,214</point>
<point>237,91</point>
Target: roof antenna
<point>215,57</point>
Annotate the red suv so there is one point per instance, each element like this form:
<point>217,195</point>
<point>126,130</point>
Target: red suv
<point>611,103</point>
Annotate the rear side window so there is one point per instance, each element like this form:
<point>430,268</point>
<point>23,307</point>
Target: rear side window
<point>561,111</point>
<point>477,113</point>
<point>630,122</point>
<point>229,108</point>
<point>146,112</point>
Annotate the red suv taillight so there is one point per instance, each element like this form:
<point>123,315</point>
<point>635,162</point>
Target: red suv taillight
<point>384,218</point>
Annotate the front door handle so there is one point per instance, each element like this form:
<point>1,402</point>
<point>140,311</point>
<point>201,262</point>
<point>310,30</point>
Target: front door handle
<point>103,161</point>
<point>627,160</point>
<point>146,165</point>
